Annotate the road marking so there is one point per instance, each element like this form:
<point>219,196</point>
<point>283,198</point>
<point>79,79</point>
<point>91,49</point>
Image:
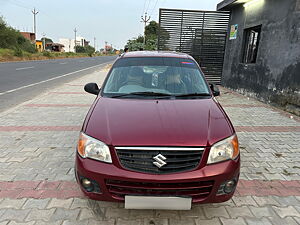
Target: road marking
<point>63,63</point>
<point>25,68</point>
<point>54,78</point>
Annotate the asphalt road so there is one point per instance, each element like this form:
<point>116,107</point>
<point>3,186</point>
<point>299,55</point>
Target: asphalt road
<point>21,81</point>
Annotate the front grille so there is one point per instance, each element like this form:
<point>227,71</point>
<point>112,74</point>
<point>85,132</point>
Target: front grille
<point>176,159</point>
<point>197,190</point>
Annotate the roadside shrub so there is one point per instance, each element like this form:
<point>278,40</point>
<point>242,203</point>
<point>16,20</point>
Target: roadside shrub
<point>18,52</point>
<point>47,54</point>
<point>12,39</point>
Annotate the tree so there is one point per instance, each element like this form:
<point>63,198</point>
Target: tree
<point>47,40</point>
<point>151,34</point>
<point>135,44</point>
<point>86,49</point>
<point>12,39</point>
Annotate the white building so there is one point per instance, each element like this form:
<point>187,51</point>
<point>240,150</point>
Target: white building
<point>70,43</point>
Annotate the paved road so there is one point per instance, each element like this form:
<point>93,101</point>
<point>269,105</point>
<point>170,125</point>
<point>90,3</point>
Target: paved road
<point>21,81</point>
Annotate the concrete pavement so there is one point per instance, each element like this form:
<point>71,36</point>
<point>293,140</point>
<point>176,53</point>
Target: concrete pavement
<point>37,184</point>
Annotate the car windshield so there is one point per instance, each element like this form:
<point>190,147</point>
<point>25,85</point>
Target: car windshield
<point>155,77</point>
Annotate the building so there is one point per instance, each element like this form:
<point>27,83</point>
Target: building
<point>57,47</point>
<point>39,45</point>
<point>29,36</point>
<point>70,43</point>
<point>262,55</point>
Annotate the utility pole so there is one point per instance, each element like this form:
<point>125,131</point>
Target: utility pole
<point>44,41</point>
<point>105,47</point>
<point>34,12</point>
<point>75,31</point>
<point>95,43</point>
<point>69,45</point>
<point>145,20</point>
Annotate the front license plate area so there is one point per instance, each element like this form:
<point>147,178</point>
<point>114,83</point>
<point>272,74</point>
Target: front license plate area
<point>153,202</point>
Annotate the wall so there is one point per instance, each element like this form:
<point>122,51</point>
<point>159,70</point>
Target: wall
<point>275,77</point>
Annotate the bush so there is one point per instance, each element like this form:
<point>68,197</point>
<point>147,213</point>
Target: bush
<point>12,39</point>
<point>87,49</point>
<point>18,52</point>
<point>47,54</point>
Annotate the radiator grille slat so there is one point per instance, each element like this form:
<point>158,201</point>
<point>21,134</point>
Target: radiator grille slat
<point>142,160</point>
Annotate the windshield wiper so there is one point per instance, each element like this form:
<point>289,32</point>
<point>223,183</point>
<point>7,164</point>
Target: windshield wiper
<point>143,93</point>
<point>193,95</point>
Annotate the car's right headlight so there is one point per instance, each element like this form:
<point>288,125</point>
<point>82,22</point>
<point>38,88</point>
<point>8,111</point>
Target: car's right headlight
<point>224,150</point>
<point>92,148</point>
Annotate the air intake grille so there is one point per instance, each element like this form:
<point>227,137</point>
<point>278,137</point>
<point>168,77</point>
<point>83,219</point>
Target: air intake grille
<point>149,159</point>
<point>197,190</point>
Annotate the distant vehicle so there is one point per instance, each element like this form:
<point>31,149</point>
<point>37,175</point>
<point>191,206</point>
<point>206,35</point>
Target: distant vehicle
<point>156,137</point>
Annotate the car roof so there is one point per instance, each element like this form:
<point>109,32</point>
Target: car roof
<point>156,54</point>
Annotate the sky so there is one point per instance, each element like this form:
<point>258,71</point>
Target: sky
<point>114,21</point>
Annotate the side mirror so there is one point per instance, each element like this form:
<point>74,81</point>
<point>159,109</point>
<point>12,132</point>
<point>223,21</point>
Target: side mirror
<point>92,88</point>
<point>214,88</point>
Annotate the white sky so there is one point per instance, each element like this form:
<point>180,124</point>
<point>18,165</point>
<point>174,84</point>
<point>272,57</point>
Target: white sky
<point>114,21</point>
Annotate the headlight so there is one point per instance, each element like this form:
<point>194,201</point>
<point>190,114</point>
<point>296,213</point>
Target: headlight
<point>224,150</point>
<point>89,147</point>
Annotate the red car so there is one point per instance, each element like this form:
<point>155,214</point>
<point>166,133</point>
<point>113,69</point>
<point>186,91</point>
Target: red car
<point>156,137</point>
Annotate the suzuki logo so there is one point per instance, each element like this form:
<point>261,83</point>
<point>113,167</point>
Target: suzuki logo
<point>159,160</point>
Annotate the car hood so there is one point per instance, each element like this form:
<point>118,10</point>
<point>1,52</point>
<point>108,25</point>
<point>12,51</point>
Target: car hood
<point>136,122</point>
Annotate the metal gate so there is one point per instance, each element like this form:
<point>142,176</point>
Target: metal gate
<point>201,34</point>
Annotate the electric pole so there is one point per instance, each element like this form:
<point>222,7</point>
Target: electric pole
<point>44,41</point>
<point>75,31</point>
<point>145,20</point>
<point>95,43</point>
<point>34,12</point>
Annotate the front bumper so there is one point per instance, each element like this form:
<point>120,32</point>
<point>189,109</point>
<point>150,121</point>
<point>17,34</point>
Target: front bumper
<point>105,175</point>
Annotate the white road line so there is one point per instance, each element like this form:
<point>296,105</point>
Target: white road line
<point>25,68</point>
<point>62,63</point>
<point>54,78</point>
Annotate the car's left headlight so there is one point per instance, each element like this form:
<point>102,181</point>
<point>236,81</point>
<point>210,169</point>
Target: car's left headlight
<point>224,150</point>
<point>89,147</point>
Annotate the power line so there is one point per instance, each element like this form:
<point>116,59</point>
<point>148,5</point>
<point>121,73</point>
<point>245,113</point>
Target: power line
<point>153,8</point>
<point>144,7</point>
<point>148,6</point>
<point>18,4</point>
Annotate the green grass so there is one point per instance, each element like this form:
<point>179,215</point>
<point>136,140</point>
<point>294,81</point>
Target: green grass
<point>20,55</point>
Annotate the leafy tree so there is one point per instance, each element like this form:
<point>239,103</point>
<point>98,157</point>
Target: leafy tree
<point>12,39</point>
<point>47,40</point>
<point>151,31</point>
<point>151,34</point>
<point>86,49</point>
<point>89,50</point>
<point>80,49</point>
<point>135,44</point>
